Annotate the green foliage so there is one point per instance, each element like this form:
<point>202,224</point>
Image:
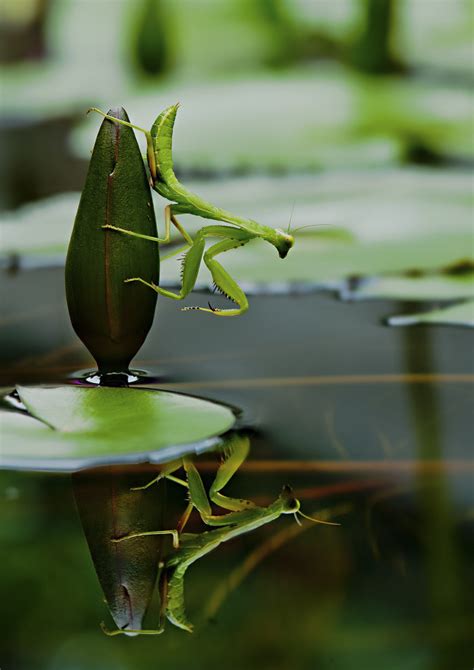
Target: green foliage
<point>152,42</point>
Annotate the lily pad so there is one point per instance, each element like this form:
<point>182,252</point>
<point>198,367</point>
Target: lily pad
<point>454,315</point>
<point>324,119</point>
<point>72,427</point>
<point>42,228</point>
<point>431,287</point>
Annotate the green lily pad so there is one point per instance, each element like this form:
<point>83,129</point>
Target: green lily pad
<point>391,222</point>
<point>324,119</point>
<point>40,228</point>
<point>431,287</point>
<point>72,427</point>
<point>440,39</point>
<point>454,315</point>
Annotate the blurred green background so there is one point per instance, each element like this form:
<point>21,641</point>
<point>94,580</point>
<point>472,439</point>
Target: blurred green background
<point>354,113</point>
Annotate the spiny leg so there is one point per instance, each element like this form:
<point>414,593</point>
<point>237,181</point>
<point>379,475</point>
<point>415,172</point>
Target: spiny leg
<point>192,261</point>
<point>235,452</point>
<point>199,499</point>
<point>149,140</point>
<point>184,517</point>
<point>223,281</point>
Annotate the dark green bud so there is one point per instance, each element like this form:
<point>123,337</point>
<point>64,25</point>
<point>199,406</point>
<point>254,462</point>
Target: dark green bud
<point>113,318</point>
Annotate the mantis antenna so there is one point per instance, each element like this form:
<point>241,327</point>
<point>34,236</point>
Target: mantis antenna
<point>313,225</point>
<point>310,518</point>
<point>291,217</point>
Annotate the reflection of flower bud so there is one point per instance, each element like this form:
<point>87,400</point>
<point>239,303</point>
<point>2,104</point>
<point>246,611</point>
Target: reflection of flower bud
<point>109,509</point>
<point>113,318</point>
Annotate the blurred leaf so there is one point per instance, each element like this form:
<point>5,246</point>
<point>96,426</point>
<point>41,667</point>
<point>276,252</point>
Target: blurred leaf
<point>440,40</point>
<point>455,315</point>
<point>42,227</point>
<point>432,287</point>
<point>331,118</point>
<point>316,260</point>
<point>81,427</point>
<point>152,44</point>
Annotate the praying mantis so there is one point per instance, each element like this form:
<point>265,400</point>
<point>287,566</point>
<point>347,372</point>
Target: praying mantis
<point>244,517</point>
<point>235,233</point>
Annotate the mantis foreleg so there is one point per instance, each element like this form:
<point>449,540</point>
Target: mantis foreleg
<point>200,500</point>
<point>192,261</point>
<point>236,451</point>
<point>222,279</point>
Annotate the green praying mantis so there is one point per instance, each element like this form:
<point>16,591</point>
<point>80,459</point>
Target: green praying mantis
<point>244,516</point>
<point>235,233</point>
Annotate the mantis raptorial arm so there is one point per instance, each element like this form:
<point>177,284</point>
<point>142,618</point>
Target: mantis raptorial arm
<point>223,281</point>
<point>192,261</point>
<point>235,453</point>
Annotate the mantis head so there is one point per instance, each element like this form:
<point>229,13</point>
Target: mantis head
<point>283,243</point>
<point>291,505</point>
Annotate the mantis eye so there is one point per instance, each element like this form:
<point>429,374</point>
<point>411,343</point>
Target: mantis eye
<point>291,504</point>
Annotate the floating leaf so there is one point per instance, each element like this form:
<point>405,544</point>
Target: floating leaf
<point>431,287</point>
<point>78,427</point>
<point>454,315</point>
<point>331,118</point>
<point>43,227</point>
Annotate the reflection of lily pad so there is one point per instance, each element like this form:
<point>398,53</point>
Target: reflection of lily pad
<point>77,427</point>
<point>454,315</point>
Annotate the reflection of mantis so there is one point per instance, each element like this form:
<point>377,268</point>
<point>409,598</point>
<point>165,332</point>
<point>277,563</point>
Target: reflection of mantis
<point>239,232</point>
<point>244,518</point>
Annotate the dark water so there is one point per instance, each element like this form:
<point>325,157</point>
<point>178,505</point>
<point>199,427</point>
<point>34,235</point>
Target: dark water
<point>371,423</point>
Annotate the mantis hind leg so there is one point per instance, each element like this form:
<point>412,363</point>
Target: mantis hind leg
<point>223,281</point>
<point>169,218</point>
<point>166,472</point>
<point>146,533</point>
